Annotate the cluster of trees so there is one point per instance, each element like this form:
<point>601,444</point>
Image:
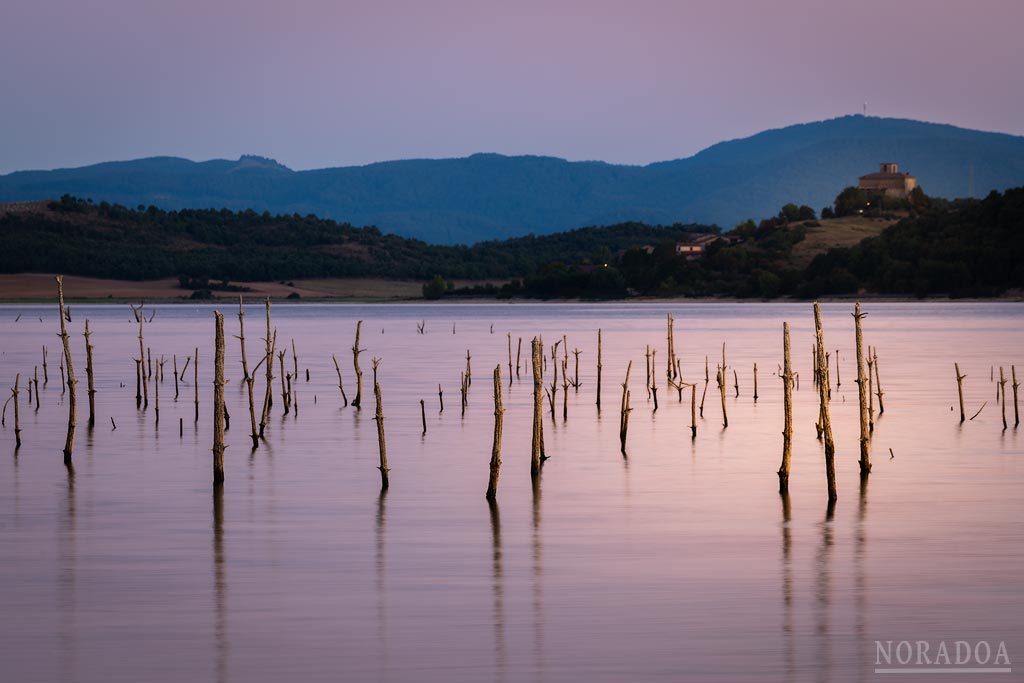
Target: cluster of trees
<point>961,248</point>
<point>966,248</point>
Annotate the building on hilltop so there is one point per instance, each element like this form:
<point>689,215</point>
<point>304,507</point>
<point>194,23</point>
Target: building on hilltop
<point>888,180</point>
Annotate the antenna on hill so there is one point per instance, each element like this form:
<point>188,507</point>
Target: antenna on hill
<point>865,108</point>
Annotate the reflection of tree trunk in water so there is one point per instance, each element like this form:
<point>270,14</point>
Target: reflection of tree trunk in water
<point>67,593</point>
<point>787,589</point>
<point>860,581</point>
<point>823,595</point>
<point>382,605</point>
<point>220,587</point>
<point>499,592</point>
<point>538,583</point>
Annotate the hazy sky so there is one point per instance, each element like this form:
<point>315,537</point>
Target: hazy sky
<point>318,83</point>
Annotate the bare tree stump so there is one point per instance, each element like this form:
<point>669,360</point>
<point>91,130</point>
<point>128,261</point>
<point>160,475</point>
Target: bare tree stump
<point>823,396</point>
<point>736,382</point>
<point>599,369</point>
<point>17,416</point>
<point>357,402</point>
<point>707,380</point>
<point>156,404</point>
<point>89,376</point>
<point>423,416</point>
<point>519,350</point>
<point>878,385</point>
<point>218,398</point>
<point>693,410</point>
<point>381,445</point>
<point>195,382</point>
<point>1002,390</point>
<point>46,374</point>
<point>1016,412</point>
<point>862,389</point>
<point>341,386</point>
<point>839,382</point>
<point>787,402</point>
<point>247,377</point>
<point>536,450</point>
<point>871,391</point>
<point>960,389</point>
<point>142,361</point>
<point>440,399</point>
<point>284,389</point>
<point>268,359</point>
<point>499,413</point>
<point>721,385</point>
<point>69,443</point>
<point>755,382</point>
<point>647,381</point>
<point>293,395</point>
<point>624,410</point>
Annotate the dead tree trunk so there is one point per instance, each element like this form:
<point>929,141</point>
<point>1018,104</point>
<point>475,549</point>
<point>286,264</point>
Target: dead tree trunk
<point>358,400</point>
<point>865,434</point>
<point>624,410</point>
<point>707,380</point>
<point>175,358</point>
<point>142,360</point>
<point>839,381</point>
<point>284,389</point>
<point>755,382</point>
<point>1016,412</point>
<point>693,410</point>
<point>960,389</point>
<point>519,350</point>
<point>218,398</point>
<point>536,451</point>
<point>156,404</point>
<point>247,377</point>
<point>440,399</point>
<point>46,374</point>
<point>241,340</point>
<point>721,384</point>
<point>293,394</point>
<point>138,383</point>
<point>69,443</point>
<point>736,381</point>
<point>341,386</point>
<point>878,385</point>
<point>599,369</point>
<point>381,445</point>
<point>647,382</point>
<point>195,382</point>
<point>787,401</point>
<point>89,376</point>
<point>499,413</point>
<point>871,391</point>
<point>268,358</point>
<point>826,422</point>
<point>1002,390</point>
<point>423,416</point>
<point>17,416</point>
<point>576,379</point>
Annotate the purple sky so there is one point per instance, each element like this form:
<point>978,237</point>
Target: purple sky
<point>318,83</point>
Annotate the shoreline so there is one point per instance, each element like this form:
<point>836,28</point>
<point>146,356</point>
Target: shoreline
<point>37,288</point>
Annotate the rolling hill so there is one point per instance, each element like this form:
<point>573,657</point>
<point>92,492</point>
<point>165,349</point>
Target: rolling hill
<point>490,196</point>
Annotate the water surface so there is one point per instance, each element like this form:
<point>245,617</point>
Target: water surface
<point>677,562</point>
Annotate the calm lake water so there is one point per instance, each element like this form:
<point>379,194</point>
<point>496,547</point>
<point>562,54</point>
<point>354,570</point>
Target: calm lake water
<point>679,562</point>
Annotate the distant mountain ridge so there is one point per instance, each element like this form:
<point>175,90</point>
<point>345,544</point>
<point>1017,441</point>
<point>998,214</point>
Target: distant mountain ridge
<point>491,196</point>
